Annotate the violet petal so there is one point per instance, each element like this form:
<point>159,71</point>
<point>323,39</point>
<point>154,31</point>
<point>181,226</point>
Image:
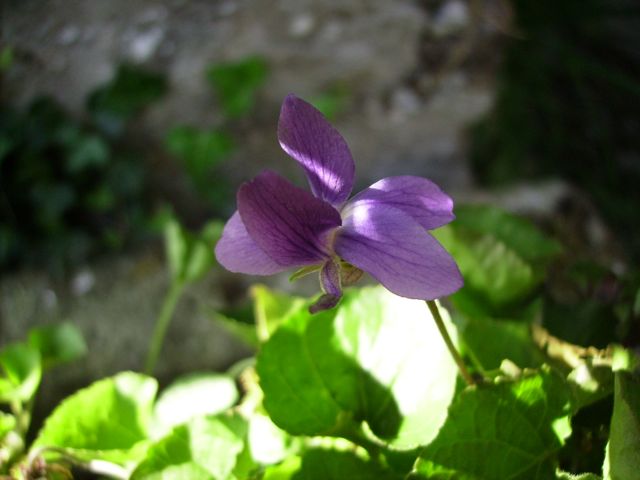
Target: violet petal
<point>309,139</point>
<point>330,281</point>
<point>397,251</point>
<point>288,223</point>
<point>419,197</point>
<point>237,252</point>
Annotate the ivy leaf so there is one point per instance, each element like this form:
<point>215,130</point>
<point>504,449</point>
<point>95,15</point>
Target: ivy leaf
<point>236,83</point>
<point>58,344</point>
<point>22,372</point>
<point>107,420</point>
<point>324,373</point>
<point>508,430</point>
<point>622,459</point>
<point>206,448</point>
<point>196,394</point>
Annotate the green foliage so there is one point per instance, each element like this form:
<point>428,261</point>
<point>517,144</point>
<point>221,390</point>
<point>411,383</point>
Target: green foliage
<point>236,84</point>
<point>57,343</point>
<point>22,372</point>
<point>107,420</point>
<point>131,90</point>
<point>69,188</point>
<point>502,258</point>
<point>567,101</point>
<point>194,395</point>
<point>206,448</point>
<point>507,430</point>
<point>623,451</point>
<point>200,151</point>
<point>325,374</point>
<point>190,256</point>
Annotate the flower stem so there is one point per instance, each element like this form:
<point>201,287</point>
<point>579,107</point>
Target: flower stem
<point>435,312</point>
<point>162,323</point>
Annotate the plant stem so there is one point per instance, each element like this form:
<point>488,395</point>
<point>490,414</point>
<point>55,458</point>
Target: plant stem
<point>162,323</point>
<point>435,312</point>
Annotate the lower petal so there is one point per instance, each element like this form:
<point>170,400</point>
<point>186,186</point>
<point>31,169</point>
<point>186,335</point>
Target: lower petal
<point>237,252</point>
<point>396,250</point>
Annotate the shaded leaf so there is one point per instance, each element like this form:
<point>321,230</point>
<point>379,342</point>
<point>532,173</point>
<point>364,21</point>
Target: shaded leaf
<point>509,430</point>
<point>622,459</point>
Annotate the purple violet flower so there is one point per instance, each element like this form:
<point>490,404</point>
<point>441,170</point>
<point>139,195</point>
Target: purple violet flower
<point>382,230</point>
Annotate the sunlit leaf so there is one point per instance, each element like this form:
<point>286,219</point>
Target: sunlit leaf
<point>271,308</point>
<point>21,372</point>
<point>324,373</point>
<point>206,448</point>
<point>506,430</point>
<point>7,423</point>
<point>196,394</point>
<point>107,420</point>
<point>58,343</point>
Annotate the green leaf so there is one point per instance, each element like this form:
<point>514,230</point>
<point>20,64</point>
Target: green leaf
<point>324,374</point>
<point>236,83</point>
<point>267,443</point>
<point>329,464</point>
<point>131,89</point>
<point>190,256</point>
<point>176,247</point>
<point>623,451</point>
<point>207,448</point>
<point>580,476</point>
<point>199,151</point>
<point>502,257</point>
<point>196,394</point>
<point>57,344</point>
<point>271,308</point>
<point>506,430</point>
<point>201,251</point>
<point>87,152</point>
<point>492,341</point>
<point>107,420</point>
<point>7,423</point>
<point>517,233</point>
<point>22,372</point>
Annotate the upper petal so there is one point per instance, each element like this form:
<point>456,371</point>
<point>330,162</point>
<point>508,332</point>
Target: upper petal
<point>288,223</point>
<point>308,137</point>
<point>397,251</point>
<point>237,252</point>
<point>416,196</point>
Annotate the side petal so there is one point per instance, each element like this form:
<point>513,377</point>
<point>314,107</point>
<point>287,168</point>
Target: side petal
<point>416,196</point>
<point>288,223</point>
<point>397,251</point>
<point>309,139</point>
<point>237,252</point>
